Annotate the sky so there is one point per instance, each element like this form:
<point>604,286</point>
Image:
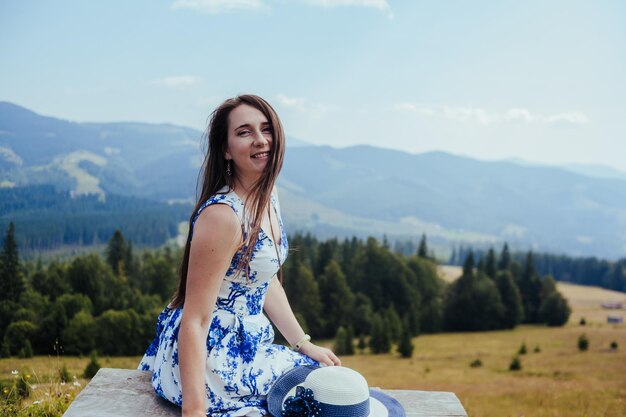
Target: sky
<point>539,80</point>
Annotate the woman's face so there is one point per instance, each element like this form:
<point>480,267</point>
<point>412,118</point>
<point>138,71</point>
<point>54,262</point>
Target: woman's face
<point>249,142</point>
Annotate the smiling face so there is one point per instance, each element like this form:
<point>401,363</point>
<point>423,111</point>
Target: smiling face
<point>249,142</point>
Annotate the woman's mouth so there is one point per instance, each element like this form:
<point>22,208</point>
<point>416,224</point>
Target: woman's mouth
<point>262,155</point>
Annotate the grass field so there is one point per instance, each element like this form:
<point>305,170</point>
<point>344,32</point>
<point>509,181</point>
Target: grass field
<point>557,381</point>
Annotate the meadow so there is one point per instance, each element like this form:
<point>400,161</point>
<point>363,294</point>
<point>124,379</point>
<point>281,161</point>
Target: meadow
<point>556,380</point>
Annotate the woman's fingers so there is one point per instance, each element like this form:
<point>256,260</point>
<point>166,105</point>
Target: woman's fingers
<point>335,360</point>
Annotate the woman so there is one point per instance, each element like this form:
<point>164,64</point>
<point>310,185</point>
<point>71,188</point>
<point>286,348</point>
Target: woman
<point>213,354</point>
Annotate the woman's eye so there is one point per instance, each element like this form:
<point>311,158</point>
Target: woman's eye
<point>243,132</point>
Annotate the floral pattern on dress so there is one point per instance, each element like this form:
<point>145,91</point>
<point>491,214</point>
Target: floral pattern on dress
<point>242,362</point>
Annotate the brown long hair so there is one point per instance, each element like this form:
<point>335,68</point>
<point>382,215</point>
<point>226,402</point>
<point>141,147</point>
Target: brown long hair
<point>213,177</point>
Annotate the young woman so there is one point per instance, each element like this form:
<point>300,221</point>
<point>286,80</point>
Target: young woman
<point>213,354</point>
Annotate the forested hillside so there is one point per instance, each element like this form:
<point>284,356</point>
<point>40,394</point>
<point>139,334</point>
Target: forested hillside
<point>47,219</point>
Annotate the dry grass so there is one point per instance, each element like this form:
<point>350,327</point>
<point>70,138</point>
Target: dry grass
<point>557,381</point>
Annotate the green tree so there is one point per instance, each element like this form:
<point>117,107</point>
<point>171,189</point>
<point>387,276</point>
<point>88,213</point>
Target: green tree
<point>380,340</point>
<point>422,251</point>
<point>116,251</point>
<point>468,265</point>
<point>18,333</point>
<point>113,326</point>
<point>393,323</point>
<point>350,340</point>
<point>473,303</point>
<point>80,335</point>
<point>11,278</point>
<point>303,293</point>
<point>554,310</point>
<point>51,327</point>
<point>158,276</point>
<point>513,313</point>
<point>530,290</point>
<point>505,257</point>
<point>405,347</point>
<point>343,342</point>
<point>73,303</point>
<point>90,276</point>
<point>51,282</point>
<point>336,297</point>
<point>426,312</point>
<point>363,313</point>
<point>92,367</point>
<point>490,264</point>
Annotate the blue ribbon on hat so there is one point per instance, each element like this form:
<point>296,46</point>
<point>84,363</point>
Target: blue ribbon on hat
<point>303,404</point>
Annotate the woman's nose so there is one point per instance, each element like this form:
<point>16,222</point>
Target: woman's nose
<point>260,138</point>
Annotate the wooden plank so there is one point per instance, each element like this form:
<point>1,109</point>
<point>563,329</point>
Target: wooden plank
<point>120,393</point>
<point>129,393</point>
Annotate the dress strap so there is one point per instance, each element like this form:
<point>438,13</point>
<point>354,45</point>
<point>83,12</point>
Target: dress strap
<point>223,196</point>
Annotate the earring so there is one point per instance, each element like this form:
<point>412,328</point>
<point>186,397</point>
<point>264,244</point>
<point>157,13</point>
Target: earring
<point>228,168</point>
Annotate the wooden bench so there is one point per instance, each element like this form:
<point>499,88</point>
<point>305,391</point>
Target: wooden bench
<point>128,393</point>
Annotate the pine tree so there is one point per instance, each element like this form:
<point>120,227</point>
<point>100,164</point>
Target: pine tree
<point>505,257</point>
<point>12,283</point>
<point>116,252</point>
<point>393,323</point>
<point>468,266</point>
<point>303,293</point>
<point>336,296</point>
<point>341,341</point>
<point>490,264</point>
<point>92,367</point>
<point>350,340</point>
<point>422,251</point>
<point>530,289</point>
<point>511,300</point>
<point>405,347</point>
<point>379,336</point>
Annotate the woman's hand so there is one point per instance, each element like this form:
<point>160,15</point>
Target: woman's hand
<point>323,355</point>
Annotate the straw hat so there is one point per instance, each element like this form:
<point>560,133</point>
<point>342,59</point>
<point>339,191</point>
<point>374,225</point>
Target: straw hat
<point>330,391</point>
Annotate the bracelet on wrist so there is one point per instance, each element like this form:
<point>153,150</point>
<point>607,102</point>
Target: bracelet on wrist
<point>298,345</point>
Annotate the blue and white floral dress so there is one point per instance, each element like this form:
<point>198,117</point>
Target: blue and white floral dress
<point>242,364</point>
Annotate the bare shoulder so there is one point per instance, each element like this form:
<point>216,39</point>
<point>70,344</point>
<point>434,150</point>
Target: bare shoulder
<point>218,225</point>
<point>275,191</point>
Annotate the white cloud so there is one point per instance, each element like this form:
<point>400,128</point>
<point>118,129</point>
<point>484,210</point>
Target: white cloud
<point>519,114</point>
<point>218,6</point>
<point>302,105</point>
<point>475,114</point>
<point>179,81</point>
<point>382,5</point>
<point>415,108</point>
<point>575,118</point>
<point>487,118</point>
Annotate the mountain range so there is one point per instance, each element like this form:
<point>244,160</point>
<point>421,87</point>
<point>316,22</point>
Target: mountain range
<point>359,190</point>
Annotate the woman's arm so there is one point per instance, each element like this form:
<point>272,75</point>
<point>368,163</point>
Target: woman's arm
<point>216,237</point>
<point>279,311</point>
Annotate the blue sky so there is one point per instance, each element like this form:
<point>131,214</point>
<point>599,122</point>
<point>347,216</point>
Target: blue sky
<point>539,80</point>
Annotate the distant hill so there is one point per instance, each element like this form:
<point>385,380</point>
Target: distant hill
<point>359,190</point>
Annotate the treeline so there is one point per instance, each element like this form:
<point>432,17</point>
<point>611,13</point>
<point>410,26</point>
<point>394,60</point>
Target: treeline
<point>85,304</point>
<point>47,219</point>
<point>351,289</point>
<point>584,271</point>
